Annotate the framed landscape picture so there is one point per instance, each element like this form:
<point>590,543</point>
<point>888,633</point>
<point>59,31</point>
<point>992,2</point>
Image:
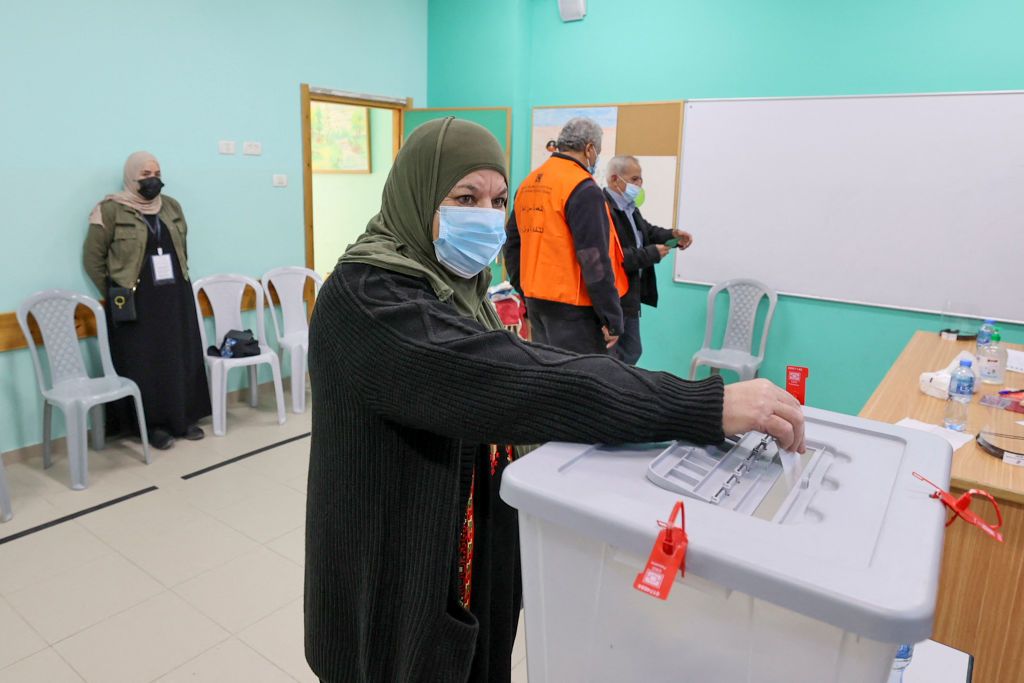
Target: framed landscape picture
<point>340,138</point>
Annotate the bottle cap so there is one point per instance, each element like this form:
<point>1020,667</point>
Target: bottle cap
<point>996,336</point>
<point>989,321</point>
<point>965,363</point>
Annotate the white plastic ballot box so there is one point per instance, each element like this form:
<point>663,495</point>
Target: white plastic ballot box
<point>799,569</point>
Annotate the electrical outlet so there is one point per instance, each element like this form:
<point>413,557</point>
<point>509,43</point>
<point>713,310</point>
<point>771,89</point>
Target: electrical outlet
<point>252,148</point>
<point>226,146</point>
<point>280,180</point>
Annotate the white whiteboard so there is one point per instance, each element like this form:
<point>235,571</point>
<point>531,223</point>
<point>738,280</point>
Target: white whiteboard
<point>860,199</point>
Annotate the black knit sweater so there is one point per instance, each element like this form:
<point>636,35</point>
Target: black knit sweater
<point>402,387</point>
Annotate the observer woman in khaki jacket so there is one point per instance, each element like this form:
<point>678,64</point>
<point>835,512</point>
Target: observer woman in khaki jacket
<point>137,241</point>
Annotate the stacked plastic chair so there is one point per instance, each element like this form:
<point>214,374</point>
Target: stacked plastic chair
<point>289,283</point>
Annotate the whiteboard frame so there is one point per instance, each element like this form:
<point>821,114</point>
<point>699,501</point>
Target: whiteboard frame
<point>930,311</point>
<point>682,157</point>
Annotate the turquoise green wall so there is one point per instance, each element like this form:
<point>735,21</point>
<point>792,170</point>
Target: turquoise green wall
<point>685,49</point>
<point>85,84</point>
<point>344,202</point>
<point>494,120</point>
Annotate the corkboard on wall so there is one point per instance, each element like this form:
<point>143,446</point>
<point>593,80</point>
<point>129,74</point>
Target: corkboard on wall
<point>649,129</point>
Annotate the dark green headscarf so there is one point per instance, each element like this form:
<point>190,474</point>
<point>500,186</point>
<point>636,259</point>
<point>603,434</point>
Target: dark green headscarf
<point>437,155</point>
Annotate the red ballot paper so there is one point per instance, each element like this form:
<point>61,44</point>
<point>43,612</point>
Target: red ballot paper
<point>796,381</point>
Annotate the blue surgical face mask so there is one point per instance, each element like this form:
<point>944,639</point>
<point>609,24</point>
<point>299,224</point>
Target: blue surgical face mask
<point>592,168</point>
<point>631,192</point>
<point>469,238</point>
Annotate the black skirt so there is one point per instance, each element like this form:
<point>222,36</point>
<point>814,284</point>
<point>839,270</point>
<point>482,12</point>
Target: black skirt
<point>161,351</point>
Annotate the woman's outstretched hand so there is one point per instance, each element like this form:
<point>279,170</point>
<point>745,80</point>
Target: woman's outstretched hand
<point>761,406</point>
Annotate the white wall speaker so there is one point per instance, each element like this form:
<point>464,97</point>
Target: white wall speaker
<point>572,10</point>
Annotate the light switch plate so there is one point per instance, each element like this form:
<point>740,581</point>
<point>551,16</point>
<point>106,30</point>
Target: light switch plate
<point>252,148</point>
<point>280,180</point>
<point>226,146</point>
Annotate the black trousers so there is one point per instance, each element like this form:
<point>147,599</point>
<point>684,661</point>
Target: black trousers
<point>572,328</point>
<point>629,347</point>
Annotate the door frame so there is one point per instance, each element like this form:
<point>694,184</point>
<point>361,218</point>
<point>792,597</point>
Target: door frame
<point>308,95</point>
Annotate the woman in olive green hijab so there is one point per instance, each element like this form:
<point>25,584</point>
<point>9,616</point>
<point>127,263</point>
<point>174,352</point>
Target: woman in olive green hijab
<point>412,558</point>
<point>472,177</point>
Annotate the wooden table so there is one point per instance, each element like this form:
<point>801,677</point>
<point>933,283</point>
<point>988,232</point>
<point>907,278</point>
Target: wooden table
<point>981,590</point>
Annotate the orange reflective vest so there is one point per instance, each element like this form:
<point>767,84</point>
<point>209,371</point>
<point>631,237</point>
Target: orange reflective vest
<point>548,267</point>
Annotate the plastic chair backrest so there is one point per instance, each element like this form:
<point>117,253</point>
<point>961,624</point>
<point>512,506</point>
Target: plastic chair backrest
<point>225,295</point>
<point>744,298</point>
<point>54,313</point>
<point>290,284</point>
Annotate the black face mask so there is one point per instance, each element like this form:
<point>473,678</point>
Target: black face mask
<point>149,187</point>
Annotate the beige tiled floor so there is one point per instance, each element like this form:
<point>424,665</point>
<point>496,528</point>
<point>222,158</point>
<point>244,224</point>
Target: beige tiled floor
<point>199,580</point>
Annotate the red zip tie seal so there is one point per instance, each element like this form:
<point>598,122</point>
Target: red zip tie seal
<point>961,508</point>
<point>667,557</point>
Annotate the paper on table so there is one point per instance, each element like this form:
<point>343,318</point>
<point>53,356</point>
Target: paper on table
<point>955,439</point>
<point>1014,360</point>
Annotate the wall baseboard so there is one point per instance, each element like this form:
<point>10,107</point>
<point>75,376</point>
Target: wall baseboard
<point>35,451</point>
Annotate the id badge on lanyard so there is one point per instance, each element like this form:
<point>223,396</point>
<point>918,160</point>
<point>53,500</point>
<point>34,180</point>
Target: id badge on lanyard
<point>163,270</point>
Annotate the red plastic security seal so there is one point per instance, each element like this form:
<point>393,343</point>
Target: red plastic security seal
<point>667,557</point>
<point>961,508</point>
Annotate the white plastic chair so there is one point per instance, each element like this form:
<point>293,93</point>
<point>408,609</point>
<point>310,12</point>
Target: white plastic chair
<point>225,295</point>
<point>737,347</point>
<point>5,495</point>
<point>290,284</point>
<point>69,386</point>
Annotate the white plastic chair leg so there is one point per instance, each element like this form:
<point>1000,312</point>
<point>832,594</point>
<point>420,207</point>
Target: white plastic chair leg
<point>99,431</point>
<point>694,364</point>
<point>78,445</point>
<point>218,397</point>
<point>275,368</point>
<point>47,430</point>
<point>254,385</point>
<point>298,379</point>
<point>5,495</point>
<point>142,426</point>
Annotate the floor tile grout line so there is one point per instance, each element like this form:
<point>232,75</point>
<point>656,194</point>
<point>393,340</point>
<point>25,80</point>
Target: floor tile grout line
<point>196,607</point>
<point>152,597</point>
<point>76,515</point>
<point>253,647</point>
<point>53,646</point>
<point>243,456</point>
<point>32,628</point>
<point>164,589</point>
<point>217,644</point>
<point>70,665</point>
<point>264,657</point>
<point>114,553</point>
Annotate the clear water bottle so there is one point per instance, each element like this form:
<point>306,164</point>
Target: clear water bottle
<point>992,360</point>
<point>902,661</point>
<point>961,386</point>
<point>984,334</point>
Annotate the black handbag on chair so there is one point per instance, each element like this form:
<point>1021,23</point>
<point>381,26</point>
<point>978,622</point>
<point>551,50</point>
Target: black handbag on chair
<point>236,344</point>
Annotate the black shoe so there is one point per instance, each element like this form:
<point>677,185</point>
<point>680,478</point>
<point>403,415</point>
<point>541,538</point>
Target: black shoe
<point>160,439</point>
<point>194,433</point>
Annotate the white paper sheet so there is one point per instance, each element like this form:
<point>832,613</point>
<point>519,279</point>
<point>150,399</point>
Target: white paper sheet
<point>955,439</point>
<point>1014,360</point>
